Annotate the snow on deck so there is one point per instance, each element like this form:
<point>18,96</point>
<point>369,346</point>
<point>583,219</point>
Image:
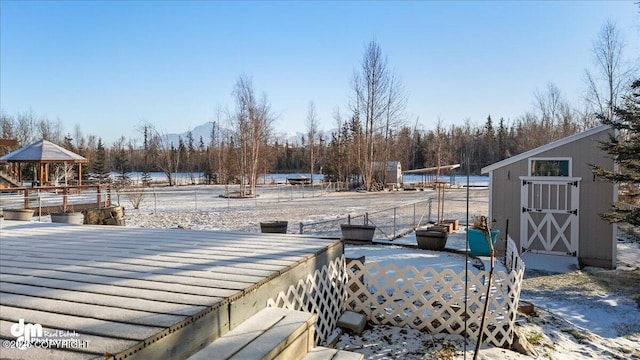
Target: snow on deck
<point>111,289</point>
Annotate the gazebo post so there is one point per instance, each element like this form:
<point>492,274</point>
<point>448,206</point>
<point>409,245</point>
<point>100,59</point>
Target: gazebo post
<point>41,175</point>
<point>79,173</point>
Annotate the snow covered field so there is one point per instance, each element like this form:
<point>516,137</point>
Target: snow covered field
<point>583,314</point>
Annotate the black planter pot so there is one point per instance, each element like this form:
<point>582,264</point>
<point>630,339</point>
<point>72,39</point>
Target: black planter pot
<point>360,233</point>
<point>431,239</point>
<point>276,227</point>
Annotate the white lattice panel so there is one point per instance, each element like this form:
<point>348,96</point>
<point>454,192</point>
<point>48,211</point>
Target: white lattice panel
<point>513,260</point>
<point>322,293</point>
<point>435,300</point>
<point>422,299</point>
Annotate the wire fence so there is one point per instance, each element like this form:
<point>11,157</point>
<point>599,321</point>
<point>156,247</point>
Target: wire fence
<point>191,198</point>
<point>390,223</point>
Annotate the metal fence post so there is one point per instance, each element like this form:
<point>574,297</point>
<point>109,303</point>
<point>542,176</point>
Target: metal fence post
<point>301,227</point>
<point>155,201</point>
<point>39,206</point>
<point>395,212</point>
<point>414,215</point>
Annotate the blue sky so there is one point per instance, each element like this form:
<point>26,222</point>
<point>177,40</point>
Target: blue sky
<point>107,66</point>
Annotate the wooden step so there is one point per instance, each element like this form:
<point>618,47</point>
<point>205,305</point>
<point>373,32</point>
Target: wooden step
<point>323,353</point>
<point>273,333</point>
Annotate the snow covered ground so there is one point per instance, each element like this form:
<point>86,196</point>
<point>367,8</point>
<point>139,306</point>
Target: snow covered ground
<point>582,314</point>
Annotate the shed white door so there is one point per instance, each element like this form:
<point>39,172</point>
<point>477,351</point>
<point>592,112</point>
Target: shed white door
<point>549,220</point>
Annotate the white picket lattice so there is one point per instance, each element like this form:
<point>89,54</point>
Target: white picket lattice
<point>322,293</point>
<point>421,299</point>
<point>435,300</point>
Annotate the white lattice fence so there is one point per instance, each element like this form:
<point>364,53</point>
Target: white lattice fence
<point>322,293</point>
<point>435,300</point>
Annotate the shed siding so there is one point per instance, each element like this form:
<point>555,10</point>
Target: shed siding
<point>597,242</point>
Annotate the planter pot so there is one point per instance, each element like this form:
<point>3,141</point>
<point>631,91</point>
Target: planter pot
<point>360,233</point>
<point>18,214</point>
<point>478,241</point>
<point>278,227</point>
<point>431,239</point>
<point>441,227</point>
<point>76,218</point>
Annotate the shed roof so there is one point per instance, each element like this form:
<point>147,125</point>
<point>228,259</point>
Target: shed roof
<point>546,147</point>
<point>43,151</point>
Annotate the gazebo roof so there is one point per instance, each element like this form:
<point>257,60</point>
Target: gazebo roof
<point>43,151</point>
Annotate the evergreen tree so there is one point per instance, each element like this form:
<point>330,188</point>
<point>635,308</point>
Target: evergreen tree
<point>121,163</point>
<point>624,149</point>
<point>100,167</point>
<point>146,177</point>
<point>68,143</point>
<point>503,145</point>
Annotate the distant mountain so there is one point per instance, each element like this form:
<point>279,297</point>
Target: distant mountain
<point>204,131</point>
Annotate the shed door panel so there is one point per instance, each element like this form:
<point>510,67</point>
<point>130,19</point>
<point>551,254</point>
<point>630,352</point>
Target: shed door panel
<point>549,221</point>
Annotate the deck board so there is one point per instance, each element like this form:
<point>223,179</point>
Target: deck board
<point>40,289</point>
<point>138,275</point>
<point>120,281</point>
<point>100,312</point>
<point>87,325</point>
<point>109,289</point>
<point>126,289</point>
<point>220,267</point>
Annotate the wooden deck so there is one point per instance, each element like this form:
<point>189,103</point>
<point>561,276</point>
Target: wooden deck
<point>118,292</point>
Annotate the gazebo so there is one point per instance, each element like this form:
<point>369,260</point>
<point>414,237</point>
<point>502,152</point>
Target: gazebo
<point>43,153</point>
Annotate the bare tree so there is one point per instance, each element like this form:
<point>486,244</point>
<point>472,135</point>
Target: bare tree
<point>312,128</point>
<point>252,124</point>
<point>606,87</point>
<point>6,126</point>
<point>548,104</point>
<point>379,100</point>
<point>25,130</point>
<point>557,118</point>
<point>393,119</point>
<point>49,130</point>
<point>160,149</point>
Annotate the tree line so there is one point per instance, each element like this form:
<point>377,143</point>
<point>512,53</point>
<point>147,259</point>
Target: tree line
<point>372,130</point>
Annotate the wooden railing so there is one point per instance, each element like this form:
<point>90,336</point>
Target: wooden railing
<point>45,199</point>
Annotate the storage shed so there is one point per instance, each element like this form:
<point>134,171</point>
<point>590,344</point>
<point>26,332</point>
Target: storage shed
<point>552,201</point>
<point>390,172</point>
